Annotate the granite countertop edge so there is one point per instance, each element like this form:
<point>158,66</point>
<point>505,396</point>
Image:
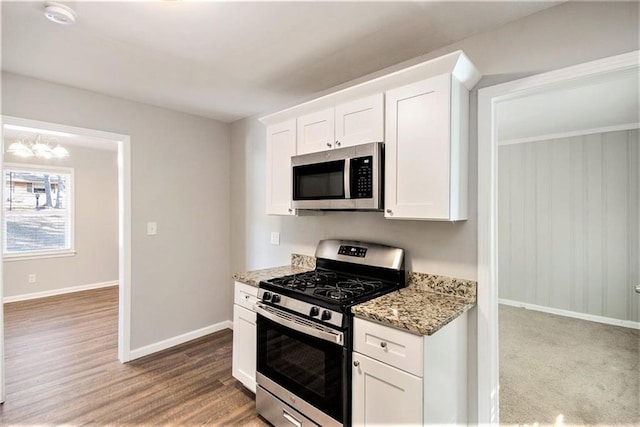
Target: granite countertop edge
<point>428,303</point>
<point>427,313</point>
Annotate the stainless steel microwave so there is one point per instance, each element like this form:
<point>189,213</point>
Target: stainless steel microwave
<point>346,178</point>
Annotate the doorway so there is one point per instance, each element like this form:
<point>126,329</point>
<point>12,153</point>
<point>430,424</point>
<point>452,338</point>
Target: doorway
<point>122,144</point>
<point>490,102</point>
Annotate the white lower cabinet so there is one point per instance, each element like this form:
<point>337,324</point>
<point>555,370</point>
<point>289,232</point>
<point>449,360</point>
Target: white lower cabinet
<point>384,395</point>
<point>400,378</point>
<point>244,335</point>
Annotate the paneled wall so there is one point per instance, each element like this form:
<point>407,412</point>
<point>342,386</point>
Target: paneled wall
<point>568,224</point>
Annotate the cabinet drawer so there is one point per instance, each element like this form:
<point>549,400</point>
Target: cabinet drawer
<point>245,295</point>
<point>397,348</point>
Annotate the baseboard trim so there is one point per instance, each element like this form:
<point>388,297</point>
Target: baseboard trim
<point>61,291</point>
<point>177,340</point>
<point>576,315</point>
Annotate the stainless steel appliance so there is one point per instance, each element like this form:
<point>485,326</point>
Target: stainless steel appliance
<point>304,331</point>
<point>342,179</point>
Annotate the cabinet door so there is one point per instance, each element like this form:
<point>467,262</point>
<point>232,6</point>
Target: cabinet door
<point>244,347</point>
<point>281,145</point>
<point>360,121</point>
<point>384,395</point>
<point>417,150</point>
<point>315,132</point>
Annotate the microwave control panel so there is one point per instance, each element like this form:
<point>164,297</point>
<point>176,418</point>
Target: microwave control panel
<point>362,177</point>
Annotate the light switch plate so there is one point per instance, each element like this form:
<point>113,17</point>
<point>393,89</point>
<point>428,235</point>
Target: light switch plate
<point>152,228</point>
<point>275,238</point>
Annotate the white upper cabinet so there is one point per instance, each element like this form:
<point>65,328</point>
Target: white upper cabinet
<point>360,121</point>
<point>419,152</point>
<point>315,132</point>
<point>421,113</point>
<point>350,123</point>
<point>281,145</point>
<point>427,144</point>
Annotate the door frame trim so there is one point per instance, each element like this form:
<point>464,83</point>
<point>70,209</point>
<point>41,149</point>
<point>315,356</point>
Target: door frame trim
<point>488,100</point>
<point>124,222</point>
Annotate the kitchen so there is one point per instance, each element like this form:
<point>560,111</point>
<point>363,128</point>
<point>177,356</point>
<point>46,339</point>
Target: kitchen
<point>535,44</point>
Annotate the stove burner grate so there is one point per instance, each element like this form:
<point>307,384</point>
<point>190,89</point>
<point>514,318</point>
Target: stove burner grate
<point>307,280</point>
<point>347,289</point>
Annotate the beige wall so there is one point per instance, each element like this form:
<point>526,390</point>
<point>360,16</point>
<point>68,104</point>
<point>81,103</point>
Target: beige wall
<point>568,34</point>
<point>96,228</point>
<point>180,179</point>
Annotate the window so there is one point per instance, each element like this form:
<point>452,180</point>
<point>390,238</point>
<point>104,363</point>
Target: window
<point>38,209</point>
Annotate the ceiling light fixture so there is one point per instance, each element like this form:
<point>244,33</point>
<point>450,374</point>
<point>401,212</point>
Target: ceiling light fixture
<point>59,13</point>
<point>24,148</point>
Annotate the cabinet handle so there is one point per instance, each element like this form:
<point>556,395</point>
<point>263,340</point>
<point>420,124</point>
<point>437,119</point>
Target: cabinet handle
<point>356,363</point>
<point>328,144</point>
<point>389,211</point>
<point>290,210</point>
<point>246,297</point>
<point>337,143</point>
<point>383,344</point>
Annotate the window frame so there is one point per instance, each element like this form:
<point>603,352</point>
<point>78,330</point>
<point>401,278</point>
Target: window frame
<point>70,196</point>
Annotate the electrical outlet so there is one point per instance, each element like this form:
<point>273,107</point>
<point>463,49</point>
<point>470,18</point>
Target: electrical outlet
<point>275,238</point>
<point>32,278</point>
<point>152,228</point>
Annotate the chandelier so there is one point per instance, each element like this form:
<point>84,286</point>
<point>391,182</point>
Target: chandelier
<point>25,148</point>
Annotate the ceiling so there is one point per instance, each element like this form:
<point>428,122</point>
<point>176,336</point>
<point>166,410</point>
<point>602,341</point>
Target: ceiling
<point>585,105</point>
<point>229,60</point>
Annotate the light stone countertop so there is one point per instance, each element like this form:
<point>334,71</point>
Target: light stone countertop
<point>413,310</point>
<point>427,303</point>
<point>299,264</point>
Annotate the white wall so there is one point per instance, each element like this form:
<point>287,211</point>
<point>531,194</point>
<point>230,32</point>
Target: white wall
<point>568,34</point>
<point>179,178</point>
<point>96,228</point>
<point>568,228</point>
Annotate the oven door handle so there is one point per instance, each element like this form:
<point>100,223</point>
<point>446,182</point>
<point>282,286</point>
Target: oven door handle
<point>299,324</point>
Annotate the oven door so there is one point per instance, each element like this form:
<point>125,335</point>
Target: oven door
<point>305,361</point>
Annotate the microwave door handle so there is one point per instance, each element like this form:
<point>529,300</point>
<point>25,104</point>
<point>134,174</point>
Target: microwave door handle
<point>347,178</point>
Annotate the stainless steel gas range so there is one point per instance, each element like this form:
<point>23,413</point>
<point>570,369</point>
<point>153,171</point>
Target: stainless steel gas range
<point>304,331</point>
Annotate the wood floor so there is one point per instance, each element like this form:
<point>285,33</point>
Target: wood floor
<point>62,368</point>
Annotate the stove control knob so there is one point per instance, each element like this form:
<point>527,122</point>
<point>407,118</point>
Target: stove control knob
<point>326,315</point>
<point>314,311</point>
<point>275,298</point>
<point>266,296</point>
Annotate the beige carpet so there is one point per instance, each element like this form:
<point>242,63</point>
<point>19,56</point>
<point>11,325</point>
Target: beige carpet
<point>588,373</point>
